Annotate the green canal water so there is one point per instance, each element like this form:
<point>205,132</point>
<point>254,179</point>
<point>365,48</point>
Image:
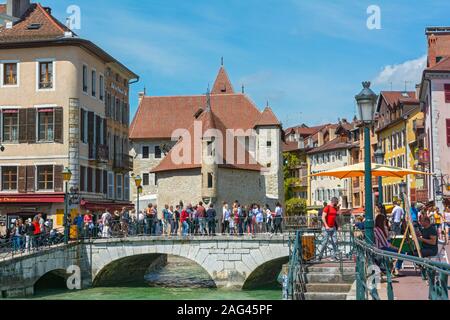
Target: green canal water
<point>180,279</point>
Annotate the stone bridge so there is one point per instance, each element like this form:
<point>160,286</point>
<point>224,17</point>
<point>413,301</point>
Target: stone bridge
<point>231,262</point>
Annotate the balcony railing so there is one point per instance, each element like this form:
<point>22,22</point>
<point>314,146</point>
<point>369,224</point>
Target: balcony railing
<point>102,153</point>
<point>123,162</point>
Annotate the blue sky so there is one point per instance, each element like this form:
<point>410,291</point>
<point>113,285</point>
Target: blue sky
<point>306,57</point>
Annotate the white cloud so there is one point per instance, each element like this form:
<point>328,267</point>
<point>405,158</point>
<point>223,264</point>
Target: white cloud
<point>397,74</point>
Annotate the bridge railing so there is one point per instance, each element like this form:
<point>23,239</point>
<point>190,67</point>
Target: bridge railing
<point>371,262</point>
<point>16,246</point>
<point>307,246</point>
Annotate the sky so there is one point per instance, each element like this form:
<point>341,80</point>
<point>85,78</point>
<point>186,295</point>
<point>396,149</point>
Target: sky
<point>306,58</point>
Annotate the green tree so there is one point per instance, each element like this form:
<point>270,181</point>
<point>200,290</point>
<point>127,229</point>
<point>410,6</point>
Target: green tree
<point>291,161</point>
<point>296,207</point>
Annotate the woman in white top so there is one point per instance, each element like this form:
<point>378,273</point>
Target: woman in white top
<point>225,219</point>
<point>269,219</point>
<point>447,223</point>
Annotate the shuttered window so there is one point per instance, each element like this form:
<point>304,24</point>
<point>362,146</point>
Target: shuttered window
<point>82,178</point>
<point>9,178</point>
<point>90,133</point>
<point>126,188</point>
<point>45,177</point>
<point>447,92</point>
<point>90,180</point>
<point>110,185</point>
<point>448,131</point>
<point>94,83</point>
<point>10,130</point>
<point>85,79</point>
<point>30,178</point>
<point>82,125</point>
<point>119,187</point>
<point>98,180</point>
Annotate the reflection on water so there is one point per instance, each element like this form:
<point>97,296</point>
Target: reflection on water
<point>180,279</point>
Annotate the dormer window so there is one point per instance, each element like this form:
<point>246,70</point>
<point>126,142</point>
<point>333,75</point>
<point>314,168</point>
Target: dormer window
<point>34,26</point>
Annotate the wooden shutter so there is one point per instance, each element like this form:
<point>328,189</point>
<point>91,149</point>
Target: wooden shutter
<point>91,134</point>
<point>105,131</point>
<point>82,124</point>
<point>447,92</point>
<point>97,130</point>
<point>31,125</point>
<point>58,178</point>
<point>22,125</point>
<point>105,182</point>
<point>448,131</point>
<point>22,181</point>
<point>59,127</point>
<point>89,180</point>
<point>31,177</point>
<point>98,177</point>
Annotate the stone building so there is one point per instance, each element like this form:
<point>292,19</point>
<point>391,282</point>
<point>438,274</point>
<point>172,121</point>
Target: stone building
<point>333,150</point>
<point>54,86</point>
<point>212,148</point>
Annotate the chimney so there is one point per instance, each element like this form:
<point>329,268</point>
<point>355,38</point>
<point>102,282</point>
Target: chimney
<point>16,8</point>
<point>320,138</point>
<point>432,54</point>
<point>417,91</point>
<point>141,96</point>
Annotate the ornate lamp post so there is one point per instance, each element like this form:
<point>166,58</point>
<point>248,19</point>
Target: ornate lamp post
<point>137,181</point>
<point>67,175</point>
<point>366,101</point>
<point>379,158</point>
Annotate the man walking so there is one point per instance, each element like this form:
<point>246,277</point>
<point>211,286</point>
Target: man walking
<point>201,214</point>
<point>397,215</point>
<point>329,229</point>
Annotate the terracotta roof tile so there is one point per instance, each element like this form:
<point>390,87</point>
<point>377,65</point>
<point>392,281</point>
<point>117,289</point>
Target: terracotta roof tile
<point>155,116</point>
<point>222,85</point>
<point>267,118</point>
<point>394,97</point>
<point>290,146</point>
<point>335,144</point>
<point>49,27</point>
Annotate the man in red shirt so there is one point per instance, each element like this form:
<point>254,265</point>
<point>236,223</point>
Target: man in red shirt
<point>183,219</point>
<point>329,228</point>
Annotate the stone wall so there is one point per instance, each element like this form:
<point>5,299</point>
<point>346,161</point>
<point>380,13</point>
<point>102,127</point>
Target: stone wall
<point>230,262</point>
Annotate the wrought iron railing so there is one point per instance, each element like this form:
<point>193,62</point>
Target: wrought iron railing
<point>17,246</point>
<point>370,262</point>
<point>306,247</point>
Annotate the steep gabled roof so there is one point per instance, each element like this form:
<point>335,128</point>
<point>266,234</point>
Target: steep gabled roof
<point>267,118</point>
<point>37,23</point>
<point>335,144</point>
<point>222,85</point>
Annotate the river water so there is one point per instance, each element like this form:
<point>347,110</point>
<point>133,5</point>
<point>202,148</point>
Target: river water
<point>180,279</point>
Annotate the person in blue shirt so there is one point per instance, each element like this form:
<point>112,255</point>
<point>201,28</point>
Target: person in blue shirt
<point>414,214</point>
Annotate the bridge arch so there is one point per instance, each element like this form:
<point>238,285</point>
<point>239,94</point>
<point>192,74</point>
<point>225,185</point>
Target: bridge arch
<point>53,279</point>
<point>265,274</point>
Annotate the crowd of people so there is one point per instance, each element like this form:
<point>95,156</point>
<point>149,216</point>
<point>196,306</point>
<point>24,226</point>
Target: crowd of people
<point>430,225</point>
<point>31,234</point>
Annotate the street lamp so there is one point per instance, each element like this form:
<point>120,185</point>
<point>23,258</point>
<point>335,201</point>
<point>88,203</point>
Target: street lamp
<point>137,181</point>
<point>379,158</point>
<point>366,101</point>
<point>67,175</point>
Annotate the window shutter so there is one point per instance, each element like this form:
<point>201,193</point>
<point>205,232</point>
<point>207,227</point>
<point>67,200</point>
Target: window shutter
<point>97,131</point>
<point>82,124</point>
<point>82,178</point>
<point>59,125</point>
<point>448,131</point>
<point>447,92</point>
<point>105,131</point>
<point>97,180</point>
<point>91,134</point>
<point>22,125</point>
<point>105,182</point>
<point>31,125</point>
<point>89,180</point>
<point>1,126</point>
<point>22,181</point>
<point>58,178</point>
<point>30,178</point>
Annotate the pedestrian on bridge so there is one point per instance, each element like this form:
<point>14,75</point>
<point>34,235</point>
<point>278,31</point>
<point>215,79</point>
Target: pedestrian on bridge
<point>211,218</point>
<point>329,229</point>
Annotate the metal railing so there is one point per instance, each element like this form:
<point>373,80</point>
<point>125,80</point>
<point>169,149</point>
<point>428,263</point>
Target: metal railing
<point>17,246</point>
<point>307,246</point>
<point>370,259</point>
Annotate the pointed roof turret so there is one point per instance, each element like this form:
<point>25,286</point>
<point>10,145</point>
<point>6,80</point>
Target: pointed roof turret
<point>222,85</point>
<point>267,118</point>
